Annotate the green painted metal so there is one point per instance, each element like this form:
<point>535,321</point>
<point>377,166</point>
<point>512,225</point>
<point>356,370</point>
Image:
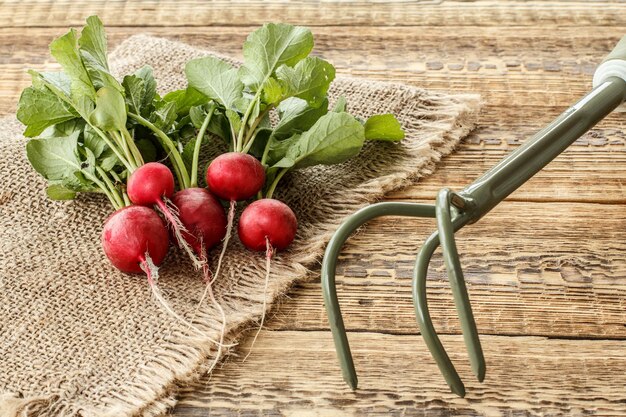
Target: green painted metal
<point>455,210</point>
<point>344,231</point>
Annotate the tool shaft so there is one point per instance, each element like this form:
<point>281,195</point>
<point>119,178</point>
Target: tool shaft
<point>519,166</point>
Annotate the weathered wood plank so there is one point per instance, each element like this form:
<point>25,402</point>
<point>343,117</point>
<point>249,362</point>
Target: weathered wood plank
<point>469,60</point>
<point>313,13</point>
<point>296,374</point>
<point>549,269</point>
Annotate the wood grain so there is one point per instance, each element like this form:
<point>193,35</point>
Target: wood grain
<point>546,269</point>
<point>397,377</point>
<point>531,270</point>
<point>173,13</point>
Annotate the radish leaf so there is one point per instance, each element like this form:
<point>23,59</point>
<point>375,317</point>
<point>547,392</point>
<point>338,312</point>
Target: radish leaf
<point>216,79</point>
<point>308,80</point>
<point>40,108</point>
<point>383,127</point>
<point>271,46</point>
<point>333,139</point>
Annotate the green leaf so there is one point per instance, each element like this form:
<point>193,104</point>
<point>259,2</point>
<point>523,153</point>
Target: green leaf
<point>108,160</point>
<point>185,99</point>
<point>105,156</point>
<point>272,92</point>
<point>65,50</point>
<point>65,128</point>
<point>134,89</point>
<point>271,46</point>
<point>216,79</point>
<point>333,139</point>
<point>60,193</point>
<point>187,153</point>
<point>55,158</point>
<point>234,119</point>
<point>296,116</point>
<point>279,148</point>
<point>308,80</point>
<point>340,105</point>
<point>197,114</point>
<point>59,80</point>
<point>93,51</point>
<point>93,43</point>
<point>164,116</point>
<point>383,127</point>
<point>93,141</point>
<point>150,86</point>
<point>110,111</point>
<point>39,109</point>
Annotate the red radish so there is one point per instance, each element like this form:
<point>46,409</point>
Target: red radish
<point>205,221</point>
<point>203,216</point>
<point>133,237</point>
<point>235,176</point>
<point>267,220</point>
<point>153,184</point>
<point>267,225</point>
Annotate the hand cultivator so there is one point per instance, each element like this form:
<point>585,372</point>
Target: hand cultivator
<point>454,210</point>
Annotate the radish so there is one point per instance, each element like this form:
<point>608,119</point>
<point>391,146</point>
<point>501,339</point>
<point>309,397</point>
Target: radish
<point>153,184</point>
<point>203,217</point>
<point>234,176</point>
<point>136,240</point>
<point>205,220</point>
<point>268,225</point>
<point>267,222</point>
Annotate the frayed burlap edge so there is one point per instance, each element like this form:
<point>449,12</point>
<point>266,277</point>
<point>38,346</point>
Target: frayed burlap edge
<point>184,365</point>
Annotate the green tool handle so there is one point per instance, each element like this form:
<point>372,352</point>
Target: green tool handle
<point>518,167</point>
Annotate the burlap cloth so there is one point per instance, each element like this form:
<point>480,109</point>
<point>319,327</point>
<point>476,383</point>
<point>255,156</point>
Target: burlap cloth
<point>78,338</point>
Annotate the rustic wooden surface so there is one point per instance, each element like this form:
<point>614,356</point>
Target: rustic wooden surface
<point>546,269</point>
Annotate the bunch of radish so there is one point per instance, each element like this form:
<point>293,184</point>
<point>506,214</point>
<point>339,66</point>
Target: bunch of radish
<point>96,134</point>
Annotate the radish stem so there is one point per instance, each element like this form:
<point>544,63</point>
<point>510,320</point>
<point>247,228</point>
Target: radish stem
<point>111,186</point>
<point>133,147</point>
<point>179,166</point>
<point>270,191</point>
<point>114,148</point>
<point>196,150</point>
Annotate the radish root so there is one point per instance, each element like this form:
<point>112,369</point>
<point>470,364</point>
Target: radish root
<point>269,252</point>
<point>170,211</point>
<point>229,231</point>
<point>152,273</point>
<point>209,289</point>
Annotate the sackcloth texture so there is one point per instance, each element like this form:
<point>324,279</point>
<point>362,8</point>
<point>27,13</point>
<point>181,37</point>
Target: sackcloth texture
<point>79,338</point>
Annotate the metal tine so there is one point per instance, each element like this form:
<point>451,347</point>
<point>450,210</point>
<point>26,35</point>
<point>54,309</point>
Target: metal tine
<point>446,228</point>
<point>457,282</point>
<point>424,320</point>
<point>358,219</point>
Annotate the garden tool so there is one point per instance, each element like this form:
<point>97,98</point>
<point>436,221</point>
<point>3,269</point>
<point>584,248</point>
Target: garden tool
<point>454,210</point>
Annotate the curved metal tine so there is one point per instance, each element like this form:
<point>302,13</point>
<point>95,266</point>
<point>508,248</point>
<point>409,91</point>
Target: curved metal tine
<point>424,320</point>
<point>457,282</point>
<point>328,272</point>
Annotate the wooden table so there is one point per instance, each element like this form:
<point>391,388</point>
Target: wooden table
<point>546,269</point>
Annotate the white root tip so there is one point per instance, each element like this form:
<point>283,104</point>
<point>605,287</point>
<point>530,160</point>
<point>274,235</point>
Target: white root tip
<point>229,231</point>
<point>269,252</point>
<point>209,289</point>
<point>170,211</point>
<point>152,273</point>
